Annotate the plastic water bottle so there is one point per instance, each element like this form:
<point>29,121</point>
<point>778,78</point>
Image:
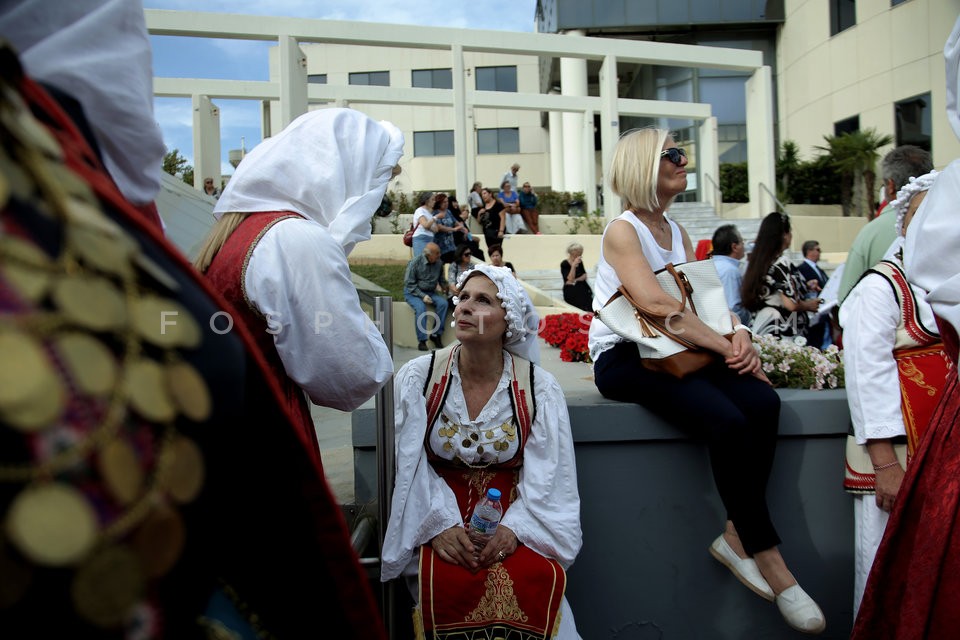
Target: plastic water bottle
<point>486,516</point>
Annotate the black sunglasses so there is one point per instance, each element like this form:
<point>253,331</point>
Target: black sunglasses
<point>673,154</point>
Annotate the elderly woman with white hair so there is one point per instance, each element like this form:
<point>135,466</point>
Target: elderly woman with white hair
<point>889,336</point>
<point>576,290</point>
<point>471,417</point>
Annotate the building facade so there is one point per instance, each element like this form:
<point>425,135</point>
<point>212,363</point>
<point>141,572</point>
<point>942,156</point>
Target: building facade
<point>838,65</point>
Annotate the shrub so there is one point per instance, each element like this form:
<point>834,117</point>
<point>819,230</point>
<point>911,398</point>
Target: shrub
<point>733,182</point>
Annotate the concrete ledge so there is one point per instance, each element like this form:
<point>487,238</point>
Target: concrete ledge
<point>650,510</point>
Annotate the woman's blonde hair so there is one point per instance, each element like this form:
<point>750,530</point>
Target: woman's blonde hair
<point>636,167</point>
<point>574,246</point>
<point>219,232</point>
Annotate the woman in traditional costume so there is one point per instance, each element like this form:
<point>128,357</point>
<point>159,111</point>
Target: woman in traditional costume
<point>911,592</point>
<point>895,368</point>
<point>475,416</point>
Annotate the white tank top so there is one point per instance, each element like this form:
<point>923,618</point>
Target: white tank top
<point>607,282</point>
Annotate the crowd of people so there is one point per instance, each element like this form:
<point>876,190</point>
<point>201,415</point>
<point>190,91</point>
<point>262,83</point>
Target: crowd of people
<point>162,476</point>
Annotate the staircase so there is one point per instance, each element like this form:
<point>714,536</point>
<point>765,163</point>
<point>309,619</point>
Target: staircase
<point>549,280</point>
<point>701,220</point>
<point>698,218</point>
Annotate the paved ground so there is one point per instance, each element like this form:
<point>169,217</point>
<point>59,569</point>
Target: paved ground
<point>334,430</point>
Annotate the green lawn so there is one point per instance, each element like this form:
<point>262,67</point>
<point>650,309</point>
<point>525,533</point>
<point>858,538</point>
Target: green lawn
<point>388,276</point>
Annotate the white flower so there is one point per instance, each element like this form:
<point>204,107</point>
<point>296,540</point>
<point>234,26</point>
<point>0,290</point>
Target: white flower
<point>800,341</point>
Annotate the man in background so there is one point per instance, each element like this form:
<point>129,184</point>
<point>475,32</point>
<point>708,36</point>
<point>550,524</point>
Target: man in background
<point>511,176</point>
<point>871,244</point>
<point>728,250</point>
<point>816,280</point>
<point>424,283</point>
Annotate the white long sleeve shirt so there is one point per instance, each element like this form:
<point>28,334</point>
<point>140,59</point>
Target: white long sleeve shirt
<point>869,317</point>
<point>299,279</point>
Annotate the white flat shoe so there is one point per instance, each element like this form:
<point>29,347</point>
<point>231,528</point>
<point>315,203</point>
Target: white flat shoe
<point>800,611</point>
<point>745,569</point>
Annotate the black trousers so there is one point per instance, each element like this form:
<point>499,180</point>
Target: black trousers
<point>737,415</point>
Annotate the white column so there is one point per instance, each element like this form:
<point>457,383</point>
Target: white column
<point>761,156</point>
<point>708,164</point>
<point>293,80</point>
<point>573,82</point>
<point>557,179</point>
<point>589,163</point>
<point>460,151</point>
<point>609,132</point>
<point>206,142</point>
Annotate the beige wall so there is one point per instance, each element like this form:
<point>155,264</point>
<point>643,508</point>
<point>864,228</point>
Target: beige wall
<point>835,235</point>
<point>892,53</point>
<point>526,252</point>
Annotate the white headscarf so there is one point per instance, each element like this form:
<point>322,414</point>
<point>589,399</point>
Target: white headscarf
<point>951,55</point>
<point>330,165</point>
<point>931,257</point>
<point>522,319</point>
<point>98,52</point>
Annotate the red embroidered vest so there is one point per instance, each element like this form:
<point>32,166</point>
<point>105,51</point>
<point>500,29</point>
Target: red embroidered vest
<point>227,273</point>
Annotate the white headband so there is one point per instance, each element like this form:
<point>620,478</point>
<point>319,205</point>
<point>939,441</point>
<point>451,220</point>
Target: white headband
<point>906,193</point>
<point>522,319</point>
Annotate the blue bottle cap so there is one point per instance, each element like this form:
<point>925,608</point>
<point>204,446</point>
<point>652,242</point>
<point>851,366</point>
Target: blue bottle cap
<point>493,494</point>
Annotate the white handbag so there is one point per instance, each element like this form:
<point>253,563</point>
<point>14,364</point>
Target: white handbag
<point>698,289</point>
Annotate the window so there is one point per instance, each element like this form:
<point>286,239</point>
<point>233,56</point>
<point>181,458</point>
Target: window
<point>432,143</point>
<point>433,78</point>
<point>913,121</point>
<point>376,78</point>
<point>496,79</point>
<point>498,140</point>
<point>848,125</point>
<point>843,15</point>
<point>317,78</point>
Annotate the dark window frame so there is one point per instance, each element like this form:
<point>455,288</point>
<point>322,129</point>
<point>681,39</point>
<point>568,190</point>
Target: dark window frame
<point>418,149</point>
<point>843,15</point>
<point>501,80</point>
<point>923,103</point>
<point>502,144</point>
<point>847,125</point>
<point>434,82</point>
<point>369,75</point>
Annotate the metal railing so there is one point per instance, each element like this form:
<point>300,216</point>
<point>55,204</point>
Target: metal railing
<point>386,458</point>
<point>782,208</point>
<point>718,193</point>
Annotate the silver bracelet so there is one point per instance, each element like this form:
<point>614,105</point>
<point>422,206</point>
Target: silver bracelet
<point>744,327</point>
<point>895,463</point>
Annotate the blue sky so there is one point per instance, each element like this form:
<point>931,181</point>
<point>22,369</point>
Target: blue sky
<point>239,119</point>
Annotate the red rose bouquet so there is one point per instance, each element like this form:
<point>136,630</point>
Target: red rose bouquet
<point>568,332</point>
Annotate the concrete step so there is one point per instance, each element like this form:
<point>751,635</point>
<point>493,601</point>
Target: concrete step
<point>549,280</point>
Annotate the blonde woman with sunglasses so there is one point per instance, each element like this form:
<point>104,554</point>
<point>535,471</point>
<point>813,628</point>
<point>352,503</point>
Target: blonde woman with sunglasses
<point>729,403</point>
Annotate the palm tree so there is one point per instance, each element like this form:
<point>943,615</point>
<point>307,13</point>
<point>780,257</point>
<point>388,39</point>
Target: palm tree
<point>787,165</point>
<point>855,156</point>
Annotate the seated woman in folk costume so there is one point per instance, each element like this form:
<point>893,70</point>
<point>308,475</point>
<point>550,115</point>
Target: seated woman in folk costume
<point>474,416</point>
